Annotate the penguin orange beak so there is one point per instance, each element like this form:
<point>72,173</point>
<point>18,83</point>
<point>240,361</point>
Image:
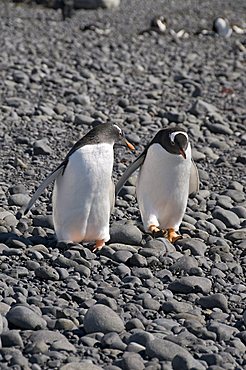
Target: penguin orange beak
<point>129,145</point>
<point>182,152</point>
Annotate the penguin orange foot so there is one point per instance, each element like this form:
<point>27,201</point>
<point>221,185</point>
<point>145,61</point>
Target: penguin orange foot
<point>156,231</point>
<point>99,245</point>
<point>172,236</point>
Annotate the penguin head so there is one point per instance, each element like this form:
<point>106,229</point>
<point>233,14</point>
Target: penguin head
<point>108,133</point>
<point>173,140</point>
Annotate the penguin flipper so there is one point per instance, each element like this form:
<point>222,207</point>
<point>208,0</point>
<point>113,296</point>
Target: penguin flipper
<point>112,196</point>
<point>42,186</point>
<point>128,172</point>
<point>194,179</point>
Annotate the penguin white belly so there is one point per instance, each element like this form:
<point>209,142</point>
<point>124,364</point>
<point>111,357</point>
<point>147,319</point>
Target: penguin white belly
<point>163,187</point>
<point>83,194</point>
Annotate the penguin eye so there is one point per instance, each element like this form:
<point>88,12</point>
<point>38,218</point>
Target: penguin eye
<point>119,129</point>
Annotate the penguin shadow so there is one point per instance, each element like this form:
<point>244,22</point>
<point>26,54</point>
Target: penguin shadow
<point>13,240</point>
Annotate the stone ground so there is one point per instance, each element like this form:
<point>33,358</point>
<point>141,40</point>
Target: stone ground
<point>140,303</point>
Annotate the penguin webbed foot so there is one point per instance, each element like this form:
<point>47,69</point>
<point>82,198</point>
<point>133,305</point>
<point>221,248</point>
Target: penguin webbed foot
<point>156,231</point>
<point>169,234</point>
<point>99,245</point>
<point>173,236</point>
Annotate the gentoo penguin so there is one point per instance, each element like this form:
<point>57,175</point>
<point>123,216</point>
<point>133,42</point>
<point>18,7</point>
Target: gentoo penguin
<point>83,193</point>
<point>167,176</point>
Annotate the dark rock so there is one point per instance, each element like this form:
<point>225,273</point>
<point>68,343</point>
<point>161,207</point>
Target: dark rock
<point>196,246</point>
<point>23,317</point>
<point>223,331</point>
<point>12,338</point>
<point>186,362</point>
<point>80,365</point>
<point>18,200</point>
<point>229,218</point>
<point>186,264</point>
<point>41,147</point>
<point>191,284</point>
<point>141,337</point>
<point>164,350</point>
<point>175,306</point>
<point>142,272</point>
<point>126,234</point>
<point>131,361</point>
<point>100,318</point>
<point>80,119</point>
<point>113,340</point>
<point>47,273</point>
<point>218,300</point>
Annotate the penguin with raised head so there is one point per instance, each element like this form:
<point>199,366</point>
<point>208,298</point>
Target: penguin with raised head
<point>167,176</point>
<point>83,194</point>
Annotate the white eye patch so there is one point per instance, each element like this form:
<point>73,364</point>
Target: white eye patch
<point>173,134</point>
<point>118,128</point>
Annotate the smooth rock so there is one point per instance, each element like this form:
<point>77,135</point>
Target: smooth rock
<point>164,350</point>
<point>126,234</point>
<point>218,300</point>
<point>191,284</point>
<point>101,318</point>
<point>23,317</point>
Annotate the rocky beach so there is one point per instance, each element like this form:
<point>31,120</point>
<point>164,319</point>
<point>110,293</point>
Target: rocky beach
<point>140,302</point>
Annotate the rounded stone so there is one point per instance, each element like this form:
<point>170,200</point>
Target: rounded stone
<point>101,318</point>
<point>23,317</point>
<point>164,350</point>
<point>218,300</point>
<point>126,234</point>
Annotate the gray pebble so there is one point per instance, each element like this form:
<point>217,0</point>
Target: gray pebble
<point>218,300</point>
<point>113,340</point>
<point>164,350</point>
<point>46,272</point>
<point>236,235</point>
<point>126,234</point>
<point>135,324</point>
<point>223,331</point>
<point>18,200</point>
<point>41,147</point>
<point>138,260</point>
<point>151,304</point>
<point>12,338</point>
<point>142,272</point>
<point>191,284</point>
<point>236,195</point>
<point>196,246</point>
<point>80,365</point>
<point>25,318</point>
<point>122,256</point>
<point>131,361</point>
<point>175,306</point>
<point>65,324</point>
<point>186,264</point>
<point>100,318</point>
<point>240,211</point>
<point>63,345</point>
<point>186,362</point>
<point>219,128</point>
<point>81,119</point>
<point>141,337</point>
<point>229,218</point>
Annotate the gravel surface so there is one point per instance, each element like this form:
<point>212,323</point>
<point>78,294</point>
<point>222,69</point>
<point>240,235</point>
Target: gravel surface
<point>140,303</point>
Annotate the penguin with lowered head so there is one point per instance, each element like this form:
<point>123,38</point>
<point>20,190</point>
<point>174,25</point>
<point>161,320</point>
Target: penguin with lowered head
<point>166,178</point>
